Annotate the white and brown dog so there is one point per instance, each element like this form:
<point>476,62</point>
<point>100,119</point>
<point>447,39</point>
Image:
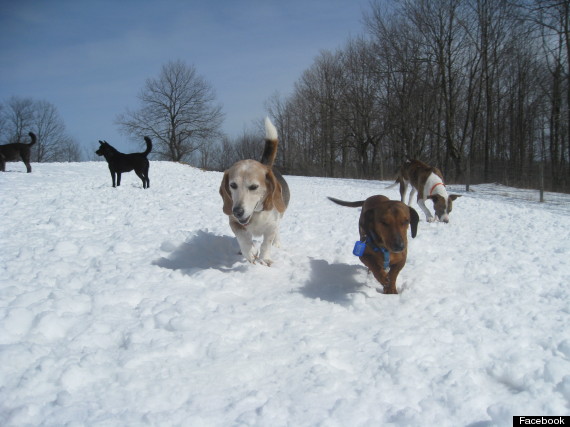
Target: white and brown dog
<point>427,181</point>
<point>255,197</point>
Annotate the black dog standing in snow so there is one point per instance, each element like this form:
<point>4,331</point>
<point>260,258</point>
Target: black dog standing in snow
<point>120,162</point>
<point>11,153</point>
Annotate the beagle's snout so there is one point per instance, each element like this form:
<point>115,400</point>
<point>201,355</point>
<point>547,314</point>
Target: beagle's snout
<point>238,211</point>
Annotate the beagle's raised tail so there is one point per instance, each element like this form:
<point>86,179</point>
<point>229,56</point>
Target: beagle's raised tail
<point>271,142</point>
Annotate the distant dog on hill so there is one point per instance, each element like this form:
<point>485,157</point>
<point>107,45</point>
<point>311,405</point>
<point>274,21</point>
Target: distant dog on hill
<point>15,151</point>
<point>427,181</point>
<point>120,162</point>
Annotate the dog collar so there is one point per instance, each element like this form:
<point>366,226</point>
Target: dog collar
<point>360,246</point>
<point>435,185</point>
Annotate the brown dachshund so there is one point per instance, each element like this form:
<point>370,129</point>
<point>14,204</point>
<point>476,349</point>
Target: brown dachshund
<point>383,245</point>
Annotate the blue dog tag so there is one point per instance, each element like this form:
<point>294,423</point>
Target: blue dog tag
<point>359,248</point>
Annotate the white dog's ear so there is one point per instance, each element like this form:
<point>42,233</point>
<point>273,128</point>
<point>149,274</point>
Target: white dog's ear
<point>274,197</point>
<point>225,193</point>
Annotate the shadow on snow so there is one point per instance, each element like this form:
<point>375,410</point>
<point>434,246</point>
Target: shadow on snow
<point>204,250</point>
<point>333,282</point>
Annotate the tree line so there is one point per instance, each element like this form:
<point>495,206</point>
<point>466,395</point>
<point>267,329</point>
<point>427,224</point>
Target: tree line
<point>479,88</point>
<point>19,116</point>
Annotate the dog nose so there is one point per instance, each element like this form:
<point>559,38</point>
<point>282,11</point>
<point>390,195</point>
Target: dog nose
<point>238,211</point>
<point>398,247</point>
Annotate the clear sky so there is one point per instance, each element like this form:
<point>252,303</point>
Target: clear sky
<point>92,58</point>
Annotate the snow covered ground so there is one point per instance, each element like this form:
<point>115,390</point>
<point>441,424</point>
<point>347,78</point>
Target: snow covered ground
<point>126,307</point>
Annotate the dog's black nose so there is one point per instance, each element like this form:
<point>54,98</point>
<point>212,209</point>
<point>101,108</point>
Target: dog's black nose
<point>398,246</point>
<point>238,211</point>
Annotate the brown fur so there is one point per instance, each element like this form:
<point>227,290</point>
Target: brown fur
<point>386,222</point>
<point>428,182</point>
<point>416,173</point>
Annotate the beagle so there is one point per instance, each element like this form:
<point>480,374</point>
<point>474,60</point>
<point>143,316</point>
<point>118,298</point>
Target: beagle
<point>427,181</point>
<point>255,196</point>
<point>383,245</point>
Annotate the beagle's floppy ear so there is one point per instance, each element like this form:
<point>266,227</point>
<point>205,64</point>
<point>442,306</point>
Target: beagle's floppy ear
<point>414,220</point>
<point>225,193</point>
<point>274,196</point>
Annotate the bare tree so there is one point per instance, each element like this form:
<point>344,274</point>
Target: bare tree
<point>50,131</point>
<point>177,111</point>
<point>19,118</point>
<point>22,115</point>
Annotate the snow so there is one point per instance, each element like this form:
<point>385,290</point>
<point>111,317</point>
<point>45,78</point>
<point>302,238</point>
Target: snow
<point>123,306</point>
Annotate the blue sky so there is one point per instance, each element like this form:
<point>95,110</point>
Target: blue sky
<point>92,58</point>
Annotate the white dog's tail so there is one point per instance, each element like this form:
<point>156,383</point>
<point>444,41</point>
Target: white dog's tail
<point>271,142</point>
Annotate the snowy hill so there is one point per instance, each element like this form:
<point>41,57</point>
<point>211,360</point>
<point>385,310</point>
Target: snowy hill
<point>132,307</point>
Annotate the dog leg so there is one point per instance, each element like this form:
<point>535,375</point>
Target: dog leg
<point>28,166</point>
<point>403,189</point>
<point>265,250</point>
<point>245,241</point>
<point>412,194</point>
<point>277,240</point>
<point>379,273</point>
<point>143,178</point>
<point>392,277</point>
<point>118,178</point>
<point>429,216</point>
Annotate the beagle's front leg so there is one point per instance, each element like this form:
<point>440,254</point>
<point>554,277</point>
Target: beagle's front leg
<point>265,249</point>
<point>245,241</point>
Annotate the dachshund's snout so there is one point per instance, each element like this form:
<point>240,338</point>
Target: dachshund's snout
<point>398,247</point>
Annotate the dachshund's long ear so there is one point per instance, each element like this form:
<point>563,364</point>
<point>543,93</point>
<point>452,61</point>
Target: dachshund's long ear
<point>414,220</point>
<point>366,222</point>
<point>274,197</point>
<point>225,193</point>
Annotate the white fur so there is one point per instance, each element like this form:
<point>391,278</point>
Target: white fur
<point>248,190</point>
<point>432,180</point>
<point>265,224</point>
<point>270,130</point>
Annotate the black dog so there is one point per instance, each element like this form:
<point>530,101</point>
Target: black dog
<point>120,162</point>
<point>11,153</point>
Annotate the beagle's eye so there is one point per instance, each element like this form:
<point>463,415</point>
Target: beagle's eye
<point>233,185</point>
<point>253,187</point>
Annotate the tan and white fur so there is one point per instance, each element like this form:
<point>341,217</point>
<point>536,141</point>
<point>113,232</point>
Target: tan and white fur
<point>255,197</point>
<point>427,182</point>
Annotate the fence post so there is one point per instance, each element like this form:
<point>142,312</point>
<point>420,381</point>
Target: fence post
<point>468,174</point>
<point>541,180</point>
